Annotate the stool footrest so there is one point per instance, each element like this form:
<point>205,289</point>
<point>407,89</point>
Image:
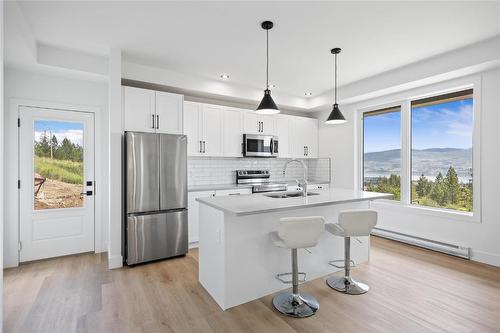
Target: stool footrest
<point>281,275</point>
<point>334,263</point>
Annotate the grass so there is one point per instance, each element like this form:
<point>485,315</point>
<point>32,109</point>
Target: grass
<point>62,170</point>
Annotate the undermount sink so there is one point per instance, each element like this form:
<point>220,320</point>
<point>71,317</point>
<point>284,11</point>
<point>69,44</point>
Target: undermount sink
<point>288,195</point>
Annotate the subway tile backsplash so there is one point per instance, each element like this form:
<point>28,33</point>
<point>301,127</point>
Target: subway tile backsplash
<point>221,170</point>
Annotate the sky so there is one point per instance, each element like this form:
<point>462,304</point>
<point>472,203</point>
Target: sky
<point>73,131</point>
<point>446,125</point>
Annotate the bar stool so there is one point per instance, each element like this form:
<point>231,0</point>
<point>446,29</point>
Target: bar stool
<point>296,233</point>
<point>352,223</point>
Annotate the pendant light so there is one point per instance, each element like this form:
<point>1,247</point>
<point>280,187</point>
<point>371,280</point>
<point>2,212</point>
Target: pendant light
<point>267,105</point>
<point>335,117</point>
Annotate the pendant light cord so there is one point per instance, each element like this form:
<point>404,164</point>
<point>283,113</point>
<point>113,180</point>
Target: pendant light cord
<point>267,59</point>
<point>335,78</point>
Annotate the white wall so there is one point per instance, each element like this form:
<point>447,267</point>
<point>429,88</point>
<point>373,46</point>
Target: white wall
<point>1,161</point>
<point>340,143</point>
<point>27,85</point>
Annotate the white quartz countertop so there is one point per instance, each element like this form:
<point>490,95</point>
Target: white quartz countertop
<point>260,203</point>
<point>214,187</point>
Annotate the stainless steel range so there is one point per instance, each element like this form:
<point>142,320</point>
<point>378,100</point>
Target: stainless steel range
<point>260,180</point>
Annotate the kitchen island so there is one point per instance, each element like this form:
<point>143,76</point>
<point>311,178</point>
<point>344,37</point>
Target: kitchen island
<point>237,260</point>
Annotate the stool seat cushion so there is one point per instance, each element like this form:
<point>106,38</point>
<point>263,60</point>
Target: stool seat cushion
<point>277,241</point>
<point>335,229</point>
<point>354,223</point>
<point>299,232</point>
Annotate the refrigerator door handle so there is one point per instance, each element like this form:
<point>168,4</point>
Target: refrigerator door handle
<point>153,116</point>
<point>157,121</point>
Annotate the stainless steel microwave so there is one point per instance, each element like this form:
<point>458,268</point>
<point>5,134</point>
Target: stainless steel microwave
<point>256,145</point>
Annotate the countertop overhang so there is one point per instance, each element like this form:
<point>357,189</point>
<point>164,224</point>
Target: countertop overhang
<point>250,204</point>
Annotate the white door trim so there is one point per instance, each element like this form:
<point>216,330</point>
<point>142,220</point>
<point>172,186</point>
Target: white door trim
<point>12,171</point>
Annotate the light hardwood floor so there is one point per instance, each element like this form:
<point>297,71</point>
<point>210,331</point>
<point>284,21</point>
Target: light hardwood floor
<point>412,290</point>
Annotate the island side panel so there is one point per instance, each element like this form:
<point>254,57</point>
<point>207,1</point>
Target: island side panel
<point>211,252</point>
<point>252,261</point>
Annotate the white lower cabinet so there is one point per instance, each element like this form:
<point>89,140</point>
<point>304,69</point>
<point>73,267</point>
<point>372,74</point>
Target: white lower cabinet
<point>193,208</point>
<point>193,211</point>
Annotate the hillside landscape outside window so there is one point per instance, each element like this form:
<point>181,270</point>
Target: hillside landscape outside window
<point>382,151</point>
<point>441,155</point>
<point>438,158</point>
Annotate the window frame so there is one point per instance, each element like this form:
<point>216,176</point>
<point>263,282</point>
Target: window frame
<point>404,102</point>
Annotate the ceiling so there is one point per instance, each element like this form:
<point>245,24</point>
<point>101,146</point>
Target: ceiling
<point>206,39</point>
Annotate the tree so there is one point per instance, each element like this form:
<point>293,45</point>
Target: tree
<point>423,186</point>
<point>42,147</point>
<point>452,186</point>
<point>438,192</point>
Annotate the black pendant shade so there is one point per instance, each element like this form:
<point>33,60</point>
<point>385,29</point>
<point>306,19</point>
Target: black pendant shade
<point>335,117</point>
<point>267,105</point>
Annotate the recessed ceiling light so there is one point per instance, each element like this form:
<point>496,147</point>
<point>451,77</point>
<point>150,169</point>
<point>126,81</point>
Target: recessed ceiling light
<point>308,93</point>
<point>224,76</point>
<point>271,86</point>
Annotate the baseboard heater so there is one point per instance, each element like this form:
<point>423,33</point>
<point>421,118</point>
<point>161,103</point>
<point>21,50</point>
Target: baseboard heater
<point>451,249</point>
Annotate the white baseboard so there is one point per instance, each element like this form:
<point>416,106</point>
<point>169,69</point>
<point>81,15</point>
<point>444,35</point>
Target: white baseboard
<point>115,262</point>
<point>193,245</point>
<point>486,258</point>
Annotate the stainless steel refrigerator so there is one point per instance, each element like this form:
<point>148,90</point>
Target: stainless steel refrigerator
<point>156,202</point>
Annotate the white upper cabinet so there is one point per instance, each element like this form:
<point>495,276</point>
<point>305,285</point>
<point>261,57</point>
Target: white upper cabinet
<point>139,109</point>
<point>311,126</point>
<point>193,128</point>
<point>232,133</point>
<point>152,111</point>
<point>212,130</point>
<point>215,130</point>
<point>169,112</point>
<point>282,131</point>
<point>258,124</point>
<point>304,137</point>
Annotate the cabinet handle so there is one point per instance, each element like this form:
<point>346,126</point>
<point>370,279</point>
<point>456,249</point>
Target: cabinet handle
<point>307,151</point>
<point>157,121</point>
<point>258,126</point>
<point>153,116</point>
<point>262,126</point>
<point>234,193</point>
<point>201,150</point>
<point>204,147</point>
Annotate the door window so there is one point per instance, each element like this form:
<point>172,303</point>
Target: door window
<point>58,164</point>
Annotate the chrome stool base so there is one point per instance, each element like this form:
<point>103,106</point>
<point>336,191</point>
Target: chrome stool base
<point>347,285</point>
<point>298,305</point>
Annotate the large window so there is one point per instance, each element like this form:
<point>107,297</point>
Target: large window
<point>441,155</point>
<point>382,151</point>
<point>422,151</point>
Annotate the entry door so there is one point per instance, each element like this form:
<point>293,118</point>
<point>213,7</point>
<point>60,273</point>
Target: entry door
<point>56,171</point>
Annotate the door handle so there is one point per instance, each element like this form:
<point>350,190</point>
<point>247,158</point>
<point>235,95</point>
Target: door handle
<point>88,193</point>
<point>153,120</point>
<point>157,121</point>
